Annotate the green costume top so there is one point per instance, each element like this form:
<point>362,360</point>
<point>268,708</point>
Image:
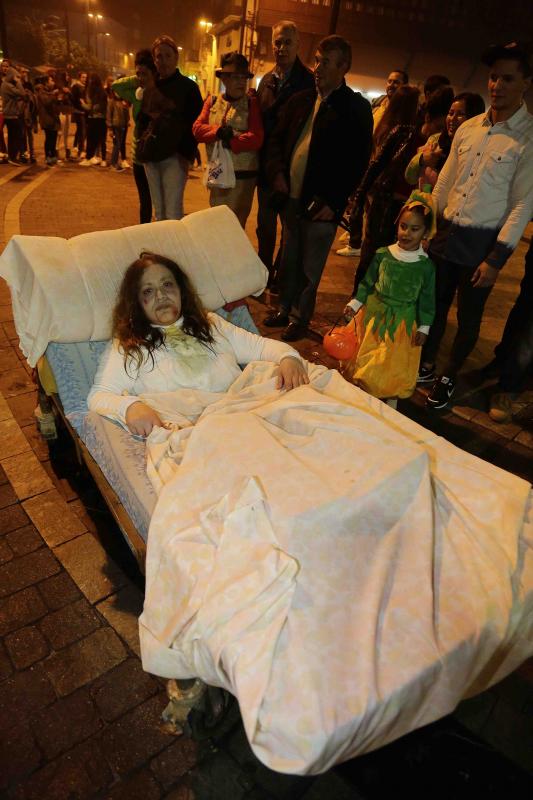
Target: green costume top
<point>394,290</point>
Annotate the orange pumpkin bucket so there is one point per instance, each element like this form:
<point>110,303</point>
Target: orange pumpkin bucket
<point>341,342</point>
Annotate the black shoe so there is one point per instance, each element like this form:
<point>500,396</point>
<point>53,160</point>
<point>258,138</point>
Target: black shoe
<point>440,394</point>
<point>294,331</point>
<point>277,320</point>
<point>426,375</point>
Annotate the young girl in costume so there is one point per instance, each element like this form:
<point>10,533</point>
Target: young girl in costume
<point>394,307</point>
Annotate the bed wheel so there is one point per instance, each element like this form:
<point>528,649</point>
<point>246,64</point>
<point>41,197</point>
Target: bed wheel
<point>216,713</point>
<point>183,696</point>
<point>46,421</point>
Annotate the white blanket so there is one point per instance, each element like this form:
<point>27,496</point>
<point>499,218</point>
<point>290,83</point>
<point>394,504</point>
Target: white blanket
<point>348,575</point>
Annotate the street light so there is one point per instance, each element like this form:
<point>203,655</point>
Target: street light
<point>206,26</point>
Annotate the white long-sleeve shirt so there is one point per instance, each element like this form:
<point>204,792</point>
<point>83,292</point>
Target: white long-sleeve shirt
<point>114,390</point>
<point>485,190</point>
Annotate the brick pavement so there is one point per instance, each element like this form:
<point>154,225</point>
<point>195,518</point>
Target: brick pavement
<point>78,716</point>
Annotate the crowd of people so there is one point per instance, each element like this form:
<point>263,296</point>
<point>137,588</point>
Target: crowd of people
<point>439,190</point>
<point>75,114</point>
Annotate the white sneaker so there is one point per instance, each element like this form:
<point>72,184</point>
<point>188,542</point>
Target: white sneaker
<point>125,165</point>
<point>349,251</point>
<point>85,163</point>
<point>103,163</point>
<point>95,160</point>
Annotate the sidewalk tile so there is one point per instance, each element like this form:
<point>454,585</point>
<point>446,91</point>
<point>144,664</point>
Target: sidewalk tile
<point>140,786</point>
<point>16,382</point>
<point>7,495</point>
<point>11,518</point>
<point>79,774</point>
<point>122,689</point>
<point>122,611</point>
<point>53,518</point>
<point>26,646</point>
<point>36,442</point>
<point>20,609</point>
<point>6,553</point>
<point>23,407</point>
<point>24,540</point>
<point>59,591</point>
<point>82,662</point>
<point>525,437</point>
<point>26,475</point>
<point>132,740</point>
<point>6,668</point>
<point>70,623</point>
<point>20,755</point>
<point>66,723</point>
<point>22,694</point>
<point>508,431</point>
<point>5,411</point>
<point>91,568</point>
<point>8,358</point>
<point>62,485</point>
<point>23,571</point>
<point>174,762</point>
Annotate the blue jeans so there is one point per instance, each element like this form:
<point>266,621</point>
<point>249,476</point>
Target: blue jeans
<point>167,180</point>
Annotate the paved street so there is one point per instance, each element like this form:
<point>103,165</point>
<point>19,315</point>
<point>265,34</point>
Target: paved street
<point>78,716</point>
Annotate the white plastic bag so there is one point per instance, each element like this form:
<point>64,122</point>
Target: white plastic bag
<point>219,171</point>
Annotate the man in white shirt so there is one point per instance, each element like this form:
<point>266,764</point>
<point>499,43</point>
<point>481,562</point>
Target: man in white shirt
<point>485,200</point>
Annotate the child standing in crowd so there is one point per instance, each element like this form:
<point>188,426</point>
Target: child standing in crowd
<point>117,120</point>
<point>96,107</point>
<point>395,306</point>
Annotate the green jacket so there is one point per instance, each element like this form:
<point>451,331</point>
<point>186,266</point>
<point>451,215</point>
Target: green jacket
<point>126,88</point>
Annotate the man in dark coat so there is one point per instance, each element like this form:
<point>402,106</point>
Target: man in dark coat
<point>276,87</point>
<point>316,157</point>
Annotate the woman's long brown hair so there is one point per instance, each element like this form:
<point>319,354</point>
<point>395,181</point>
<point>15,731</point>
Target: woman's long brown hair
<point>401,110</point>
<point>130,325</point>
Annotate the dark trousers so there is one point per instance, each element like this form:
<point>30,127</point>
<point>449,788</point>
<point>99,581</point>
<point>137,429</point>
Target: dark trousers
<point>50,142</point>
<point>143,189</point>
<point>96,136</point>
<point>15,138</point>
<point>306,247</point>
<point>28,140</point>
<point>123,144</point>
<point>514,354</point>
<point>81,131</point>
<point>267,226</point>
<point>356,226</point>
<point>452,278</point>
<point>119,135</point>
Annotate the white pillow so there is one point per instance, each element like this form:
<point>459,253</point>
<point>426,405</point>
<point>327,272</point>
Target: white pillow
<point>65,290</point>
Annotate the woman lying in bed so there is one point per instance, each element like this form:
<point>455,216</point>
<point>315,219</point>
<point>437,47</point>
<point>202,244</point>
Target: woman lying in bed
<point>164,340</point>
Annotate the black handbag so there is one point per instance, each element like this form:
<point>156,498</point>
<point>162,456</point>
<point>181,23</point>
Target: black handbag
<point>159,140</point>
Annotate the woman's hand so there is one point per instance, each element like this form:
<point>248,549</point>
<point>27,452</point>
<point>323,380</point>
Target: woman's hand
<point>431,156</point>
<point>140,419</point>
<point>292,373</point>
<point>348,314</point>
<point>420,338</point>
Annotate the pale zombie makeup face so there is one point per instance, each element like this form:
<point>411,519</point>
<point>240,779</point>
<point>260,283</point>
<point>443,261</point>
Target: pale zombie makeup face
<point>411,230</point>
<point>456,117</point>
<point>159,295</point>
